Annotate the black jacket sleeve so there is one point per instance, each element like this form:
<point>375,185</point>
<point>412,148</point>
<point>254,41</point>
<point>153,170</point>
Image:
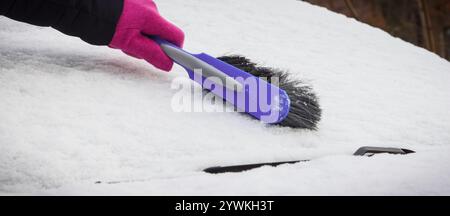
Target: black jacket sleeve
<point>94,21</point>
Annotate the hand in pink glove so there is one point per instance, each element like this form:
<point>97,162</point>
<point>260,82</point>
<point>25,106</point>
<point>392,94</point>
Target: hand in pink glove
<point>140,18</point>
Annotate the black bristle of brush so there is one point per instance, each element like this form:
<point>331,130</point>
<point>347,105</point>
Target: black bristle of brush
<point>305,111</point>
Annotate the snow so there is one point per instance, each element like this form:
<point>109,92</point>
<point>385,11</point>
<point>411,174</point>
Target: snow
<point>72,114</point>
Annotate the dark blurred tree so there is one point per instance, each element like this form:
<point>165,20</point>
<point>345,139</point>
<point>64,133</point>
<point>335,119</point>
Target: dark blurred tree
<point>351,8</point>
<point>427,28</point>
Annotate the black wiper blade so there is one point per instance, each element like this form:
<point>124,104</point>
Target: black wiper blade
<point>245,167</point>
<point>363,151</point>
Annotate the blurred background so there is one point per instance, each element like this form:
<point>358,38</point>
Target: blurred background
<point>425,23</point>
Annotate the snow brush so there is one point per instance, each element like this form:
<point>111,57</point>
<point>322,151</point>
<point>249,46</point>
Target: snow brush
<point>250,88</point>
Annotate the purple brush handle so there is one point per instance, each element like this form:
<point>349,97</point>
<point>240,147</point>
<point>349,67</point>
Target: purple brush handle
<point>258,98</point>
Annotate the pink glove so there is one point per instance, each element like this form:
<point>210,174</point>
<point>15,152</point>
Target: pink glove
<point>141,17</point>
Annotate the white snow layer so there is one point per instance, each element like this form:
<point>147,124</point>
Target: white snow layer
<point>72,114</point>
